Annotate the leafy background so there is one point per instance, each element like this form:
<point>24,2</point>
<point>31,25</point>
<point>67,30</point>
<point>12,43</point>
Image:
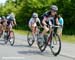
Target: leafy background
<point>23,10</point>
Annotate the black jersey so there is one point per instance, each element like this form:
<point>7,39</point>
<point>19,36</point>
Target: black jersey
<point>48,16</point>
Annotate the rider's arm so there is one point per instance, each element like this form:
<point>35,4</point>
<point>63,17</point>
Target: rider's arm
<point>31,22</point>
<point>57,22</point>
<point>39,23</point>
<point>14,21</point>
<point>44,20</point>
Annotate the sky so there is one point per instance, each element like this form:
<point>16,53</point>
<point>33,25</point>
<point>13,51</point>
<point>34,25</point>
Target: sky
<point>2,1</point>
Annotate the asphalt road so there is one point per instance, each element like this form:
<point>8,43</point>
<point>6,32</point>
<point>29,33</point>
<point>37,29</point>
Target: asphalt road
<point>21,51</point>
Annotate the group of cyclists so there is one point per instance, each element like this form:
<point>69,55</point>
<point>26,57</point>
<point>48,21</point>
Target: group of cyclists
<point>6,23</point>
<point>47,19</point>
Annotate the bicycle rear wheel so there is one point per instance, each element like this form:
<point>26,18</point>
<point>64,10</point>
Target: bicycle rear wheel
<point>55,44</point>
<point>30,39</point>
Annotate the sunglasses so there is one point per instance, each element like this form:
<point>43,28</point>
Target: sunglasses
<point>34,17</point>
<point>54,10</point>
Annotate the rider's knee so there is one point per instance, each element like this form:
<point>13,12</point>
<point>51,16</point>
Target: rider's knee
<point>46,29</point>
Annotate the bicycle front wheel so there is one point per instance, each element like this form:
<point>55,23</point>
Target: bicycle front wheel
<point>30,39</point>
<point>11,38</point>
<point>55,44</point>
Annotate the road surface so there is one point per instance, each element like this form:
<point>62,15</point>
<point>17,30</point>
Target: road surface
<point>21,51</point>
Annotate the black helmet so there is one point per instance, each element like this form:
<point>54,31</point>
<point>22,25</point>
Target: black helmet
<point>54,7</point>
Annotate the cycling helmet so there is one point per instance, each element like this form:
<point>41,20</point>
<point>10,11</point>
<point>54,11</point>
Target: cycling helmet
<point>54,7</point>
<point>35,15</point>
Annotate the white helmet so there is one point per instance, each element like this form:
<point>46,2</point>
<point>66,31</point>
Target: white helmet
<point>35,15</point>
<point>54,7</point>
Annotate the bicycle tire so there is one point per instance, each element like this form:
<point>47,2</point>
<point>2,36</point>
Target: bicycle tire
<point>11,39</point>
<point>5,37</point>
<point>59,49</point>
<point>40,42</point>
<point>28,39</point>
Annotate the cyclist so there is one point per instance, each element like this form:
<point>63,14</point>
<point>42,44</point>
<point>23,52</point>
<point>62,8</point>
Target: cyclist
<point>61,22</point>
<point>1,27</point>
<point>4,22</point>
<point>11,21</point>
<point>49,18</point>
<point>33,23</point>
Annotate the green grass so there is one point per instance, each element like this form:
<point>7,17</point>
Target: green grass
<point>65,38</point>
<point>68,38</point>
<point>21,32</point>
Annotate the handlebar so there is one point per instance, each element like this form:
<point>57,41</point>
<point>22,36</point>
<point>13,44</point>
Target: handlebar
<point>52,26</point>
<point>55,26</point>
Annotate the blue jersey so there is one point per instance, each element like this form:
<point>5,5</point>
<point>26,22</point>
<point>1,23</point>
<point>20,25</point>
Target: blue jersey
<point>61,21</point>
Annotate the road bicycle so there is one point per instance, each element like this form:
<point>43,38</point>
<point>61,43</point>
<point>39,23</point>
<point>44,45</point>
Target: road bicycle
<point>9,37</point>
<point>30,38</point>
<point>52,40</point>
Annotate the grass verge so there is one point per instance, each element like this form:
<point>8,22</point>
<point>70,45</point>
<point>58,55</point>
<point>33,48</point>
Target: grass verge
<point>68,38</point>
<point>65,38</point>
<point>21,32</point>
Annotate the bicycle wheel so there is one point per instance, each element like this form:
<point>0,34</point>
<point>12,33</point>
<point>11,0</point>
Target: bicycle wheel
<point>11,38</point>
<point>55,44</point>
<point>41,42</point>
<point>30,39</point>
<point>5,37</point>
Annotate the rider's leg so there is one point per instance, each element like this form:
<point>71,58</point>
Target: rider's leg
<point>59,31</point>
<point>0,26</point>
<point>4,26</point>
<point>46,29</point>
<point>10,28</point>
<point>33,31</point>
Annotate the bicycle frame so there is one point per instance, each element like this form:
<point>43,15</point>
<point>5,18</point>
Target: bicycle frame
<point>50,35</point>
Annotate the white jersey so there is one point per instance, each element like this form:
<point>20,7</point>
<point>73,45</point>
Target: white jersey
<point>32,21</point>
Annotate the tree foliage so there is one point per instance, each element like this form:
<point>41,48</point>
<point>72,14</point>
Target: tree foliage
<point>23,9</point>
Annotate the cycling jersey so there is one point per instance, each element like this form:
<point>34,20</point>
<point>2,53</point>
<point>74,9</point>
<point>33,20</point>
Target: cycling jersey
<point>48,18</point>
<point>10,18</point>
<point>33,21</point>
<point>61,21</point>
